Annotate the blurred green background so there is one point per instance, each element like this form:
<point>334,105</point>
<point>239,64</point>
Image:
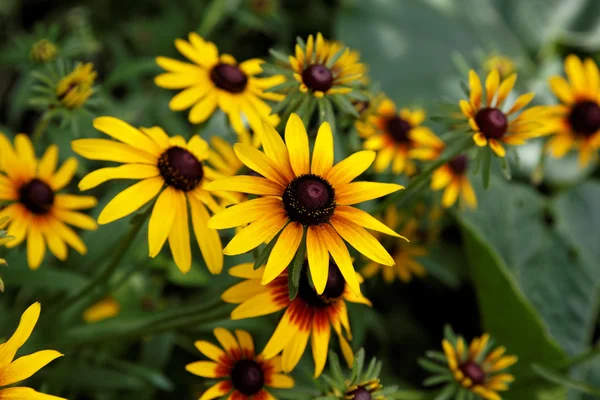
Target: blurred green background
<point>523,266</point>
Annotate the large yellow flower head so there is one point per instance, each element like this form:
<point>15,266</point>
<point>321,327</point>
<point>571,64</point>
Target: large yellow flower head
<point>576,121</point>
<point>76,88</point>
<point>394,135</point>
<point>13,371</point>
<point>218,81</point>
<point>242,372</point>
<point>323,68</point>
<point>309,314</point>
<point>38,212</point>
<point>171,170</point>
<point>491,125</point>
<point>298,199</point>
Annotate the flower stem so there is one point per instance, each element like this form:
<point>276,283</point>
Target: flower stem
<point>100,281</point>
<point>40,127</point>
<point>414,188</point>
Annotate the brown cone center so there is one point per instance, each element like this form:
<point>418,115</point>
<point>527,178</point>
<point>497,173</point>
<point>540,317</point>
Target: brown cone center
<point>229,77</point>
<point>318,77</point>
<point>37,196</point>
<point>492,122</point>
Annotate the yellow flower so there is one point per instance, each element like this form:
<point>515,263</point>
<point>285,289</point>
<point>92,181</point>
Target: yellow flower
<point>309,313</point>
<point>493,126</point>
<point>297,197</point>
<point>74,89</point>
<point>38,212</point>
<point>394,135</point>
<point>403,252</point>
<point>478,369</point>
<point>215,80</point>
<point>104,309</point>
<point>453,177</point>
<point>321,69</point>
<point>503,64</point>
<point>160,162</point>
<point>576,121</point>
<point>43,51</point>
<point>243,373</point>
<point>13,371</point>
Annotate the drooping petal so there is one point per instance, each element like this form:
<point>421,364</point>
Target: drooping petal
<point>217,390</point>
<point>130,200</point>
<point>362,218</point>
<point>204,108</point>
<point>265,303</point>
<point>22,333</point>
<point>36,247</point>
<point>294,349</point>
<point>74,202</point>
<point>24,367</point>
<point>256,233</point>
<point>283,251</point>
<point>25,393</point>
<point>318,257</point>
<point>321,334</point>
<point>339,252</point>
<point>161,220</point>
<point>127,171</point>
<point>208,239</point>
<point>179,236</point>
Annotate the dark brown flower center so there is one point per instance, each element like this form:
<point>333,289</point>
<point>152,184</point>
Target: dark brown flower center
<point>473,371</point>
<point>585,118</point>
<point>318,77</point>
<point>229,77</point>
<point>180,169</point>
<point>37,196</point>
<point>360,394</point>
<point>248,377</point>
<point>334,289</point>
<point>492,122</point>
<point>398,128</point>
<point>362,106</point>
<point>459,164</point>
<point>309,200</point>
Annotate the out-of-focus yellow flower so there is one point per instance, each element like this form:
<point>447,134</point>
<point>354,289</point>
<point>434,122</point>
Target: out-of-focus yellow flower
<point>74,89</point>
<point>503,64</point>
<point>104,309</point>
<point>43,51</point>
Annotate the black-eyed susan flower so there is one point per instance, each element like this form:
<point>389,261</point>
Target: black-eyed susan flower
<point>394,134</point>
<point>576,121</point>
<point>453,178</point>
<point>218,81</point>
<point>479,368</point>
<point>309,315</point>
<point>297,199</point>
<point>38,213</point>
<point>43,51</point>
<point>76,88</point>
<point>503,64</point>
<point>13,371</point>
<point>493,126</point>
<point>169,169</point>
<point>406,254</point>
<point>243,373</point>
<point>106,308</point>
<point>361,383</point>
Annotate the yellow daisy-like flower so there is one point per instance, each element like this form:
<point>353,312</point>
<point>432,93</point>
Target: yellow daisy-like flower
<point>297,197</point>
<point>104,309</point>
<point>503,64</point>
<point>169,169</point>
<point>309,314</point>
<point>576,121</point>
<point>245,374</point>
<point>214,80</point>
<point>492,126</point>
<point>478,369</point>
<point>13,371</point>
<point>43,51</point>
<point>38,212</point>
<point>394,135</point>
<point>320,69</point>
<point>405,253</point>
<point>74,89</point>
<point>452,177</point>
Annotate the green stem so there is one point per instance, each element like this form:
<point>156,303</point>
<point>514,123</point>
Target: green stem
<point>40,127</point>
<point>414,188</point>
<point>102,278</point>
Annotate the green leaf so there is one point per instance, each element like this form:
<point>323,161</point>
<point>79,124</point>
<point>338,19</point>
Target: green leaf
<point>561,379</point>
<point>279,56</point>
<point>437,379</point>
<point>263,256</point>
<point>343,104</point>
<point>431,366</point>
<point>296,267</point>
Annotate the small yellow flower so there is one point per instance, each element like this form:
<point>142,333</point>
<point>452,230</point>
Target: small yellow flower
<point>219,81</point>
<point>43,51</point>
<point>104,309</point>
<point>394,135</point>
<point>576,121</point>
<point>503,64</point>
<point>242,372</point>
<point>13,371</point>
<point>493,126</point>
<point>405,253</point>
<point>74,89</point>
<point>453,178</point>
<point>38,212</point>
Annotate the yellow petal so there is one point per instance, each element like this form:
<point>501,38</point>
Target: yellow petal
<point>491,85</point>
<point>205,369</point>
<point>216,390</point>
<point>48,163</point>
<point>296,140</point>
<point>243,291</point>
<point>322,158</point>
<point>130,200</point>
<point>561,89</point>
<point>441,177</point>
<point>109,150</point>
<point>351,167</point>
<point>36,247</point>
<point>25,393</point>
<point>76,219</point>
<point>204,108</point>
<point>451,193</point>
<point>264,303</point>
<point>161,220</point>
<point>321,334</point>
<point>179,236</point>
<point>259,162</point>
<point>127,134</point>
<point>505,87</point>
<point>244,213</point>
<point>74,202</point>
<point>363,218</point>
<point>208,239</point>
<point>361,240</point>
<point>475,90</point>
<point>467,193</point>
<point>357,192</point>
<point>256,233</point>
<point>247,184</point>
<point>285,331</point>
<point>283,251</point>
<point>26,153</point>
<point>318,257</point>
<point>281,381</point>
<point>497,148</point>
<point>294,349</point>
<point>210,350</point>
<point>65,173</point>
<point>480,139</point>
<point>227,340</point>
<point>127,171</point>
<point>246,271</point>
<point>575,73</point>
<point>26,325</point>
<point>104,309</point>
<point>593,77</point>
<point>276,150</point>
<point>24,367</point>
<point>339,252</point>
